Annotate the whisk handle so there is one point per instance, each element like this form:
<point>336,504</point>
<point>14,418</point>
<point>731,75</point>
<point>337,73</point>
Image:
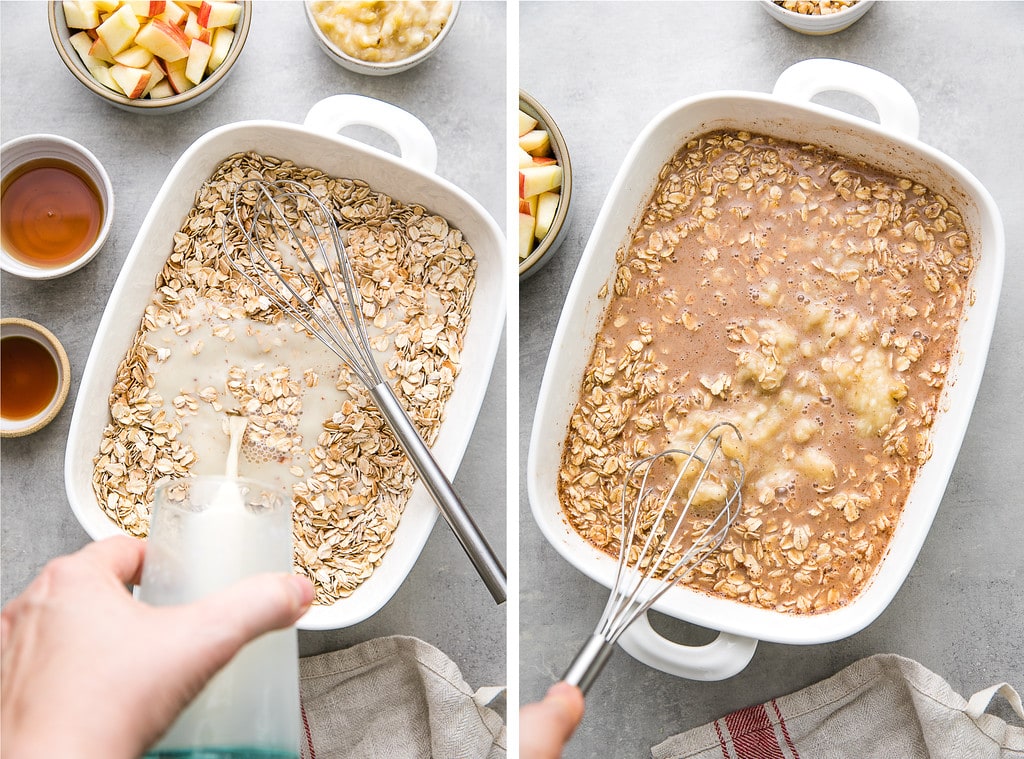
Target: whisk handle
<point>468,534</point>
<point>589,662</point>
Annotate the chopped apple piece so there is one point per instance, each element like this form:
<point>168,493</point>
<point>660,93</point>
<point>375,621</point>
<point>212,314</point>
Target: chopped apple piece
<point>131,80</point>
<point>536,142</point>
<point>161,89</point>
<point>99,50</point>
<point>81,15</point>
<point>173,13</point>
<point>547,205</point>
<point>198,57</point>
<point>527,225</point>
<point>147,8</point>
<point>150,36</point>
<point>222,38</point>
<point>192,28</point>
<point>134,57</point>
<point>83,43</point>
<point>526,123</point>
<point>533,180</point>
<point>218,13</point>
<point>118,31</point>
<point>542,160</point>
<point>156,75</point>
<point>529,205</point>
<point>102,75</point>
<point>176,75</point>
<point>163,40</point>
<point>525,159</point>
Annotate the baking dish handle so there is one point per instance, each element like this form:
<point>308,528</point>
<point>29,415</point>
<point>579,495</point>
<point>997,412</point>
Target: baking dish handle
<point>415,142</point>
<point>723,657</point>
<point>896,108</point>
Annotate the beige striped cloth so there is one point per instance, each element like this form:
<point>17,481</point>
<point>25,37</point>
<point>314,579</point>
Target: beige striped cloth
<point>395,698</point>
<point>881,707</point>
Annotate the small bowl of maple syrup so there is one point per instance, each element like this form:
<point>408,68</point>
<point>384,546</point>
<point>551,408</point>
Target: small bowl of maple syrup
<point>35,377</point>
<point>58,206</point>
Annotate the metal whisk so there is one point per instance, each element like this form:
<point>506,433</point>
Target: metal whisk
<point>320,292</point>
<point>660,561</point>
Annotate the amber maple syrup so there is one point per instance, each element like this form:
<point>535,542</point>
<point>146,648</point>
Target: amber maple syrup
<point>28,377</point>
<point>51,213</point>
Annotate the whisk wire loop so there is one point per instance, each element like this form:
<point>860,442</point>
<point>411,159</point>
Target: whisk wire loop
<point>641,582</point>
<point>326,302</point>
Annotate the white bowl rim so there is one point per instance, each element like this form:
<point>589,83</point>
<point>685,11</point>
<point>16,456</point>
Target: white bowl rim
<point>379,67</point>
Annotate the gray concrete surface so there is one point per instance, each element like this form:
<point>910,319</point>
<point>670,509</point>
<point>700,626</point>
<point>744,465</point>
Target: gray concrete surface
<point>603,70</point>
<point>459,94</point>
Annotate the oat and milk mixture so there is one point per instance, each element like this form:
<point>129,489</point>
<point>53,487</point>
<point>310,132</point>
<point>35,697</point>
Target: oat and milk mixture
<point>813,302</point>
<point>209,344</point>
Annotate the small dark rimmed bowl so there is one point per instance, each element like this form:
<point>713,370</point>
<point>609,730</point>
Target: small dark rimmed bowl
<point>550,243</point>
<point>11,327</point>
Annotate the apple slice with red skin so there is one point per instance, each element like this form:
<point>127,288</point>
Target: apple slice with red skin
<point>173,13</point>
<point>163,40</point>
<point>131,80</point>
<point>148,8</point>
<point>176,75</point>
<point>99,50</point>
<point>218,13</point>
<point>533,180</point>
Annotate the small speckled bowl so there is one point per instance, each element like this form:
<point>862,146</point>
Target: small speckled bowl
<point>829,23</point>
<point>547,247</point>
<point>25,328</point>
<point>61,39</point>
<point>371,68</point>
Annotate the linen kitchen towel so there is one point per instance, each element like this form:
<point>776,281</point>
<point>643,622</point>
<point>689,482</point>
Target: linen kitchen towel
<point>395,697</point>
<point>882,706</point>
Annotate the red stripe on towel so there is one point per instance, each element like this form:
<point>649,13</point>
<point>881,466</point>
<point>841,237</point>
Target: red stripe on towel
<point>309,735</point>
<point>723,742</point>
<point>785,730</point>
<point>752,734</point>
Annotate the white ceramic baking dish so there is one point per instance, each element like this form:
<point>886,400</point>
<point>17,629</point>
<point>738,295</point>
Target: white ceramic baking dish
<point>786,113</point>
<point>315,143</point>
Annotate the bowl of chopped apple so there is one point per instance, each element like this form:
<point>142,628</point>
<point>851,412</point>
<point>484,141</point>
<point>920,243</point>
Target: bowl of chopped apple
<point>150,55</point>
<point>545,186</point>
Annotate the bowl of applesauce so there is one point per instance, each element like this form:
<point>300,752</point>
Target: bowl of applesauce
<point>380,37</point>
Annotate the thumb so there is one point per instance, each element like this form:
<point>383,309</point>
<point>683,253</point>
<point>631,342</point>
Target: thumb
<point>253,606</point>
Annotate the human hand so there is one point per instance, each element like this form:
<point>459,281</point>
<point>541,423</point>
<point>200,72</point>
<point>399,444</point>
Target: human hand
<point>89,671</point>
<point>546,726</point>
